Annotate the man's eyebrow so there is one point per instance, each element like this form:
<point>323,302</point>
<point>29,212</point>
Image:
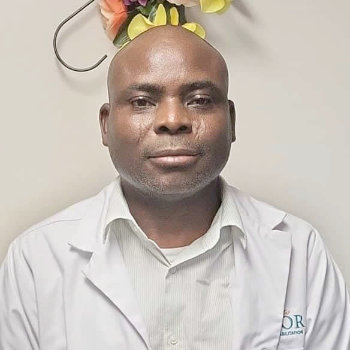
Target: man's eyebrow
<point>202,84</point>
<point>147,87</point>
<point>184,89</point>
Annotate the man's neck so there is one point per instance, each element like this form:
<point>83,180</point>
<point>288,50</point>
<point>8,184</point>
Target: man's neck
<point>174,223</point>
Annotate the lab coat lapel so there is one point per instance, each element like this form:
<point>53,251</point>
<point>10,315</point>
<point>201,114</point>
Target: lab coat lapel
<point>107,271</point>
<point>106,268</point>
<point>260,277</point>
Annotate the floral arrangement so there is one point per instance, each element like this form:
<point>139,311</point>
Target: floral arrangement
<point>123,20</point>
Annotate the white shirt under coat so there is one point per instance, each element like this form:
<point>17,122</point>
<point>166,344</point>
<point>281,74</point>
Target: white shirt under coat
<point>183,294</point>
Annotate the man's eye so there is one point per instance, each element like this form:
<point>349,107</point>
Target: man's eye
<point>201,101</point>
<point>141,102</point>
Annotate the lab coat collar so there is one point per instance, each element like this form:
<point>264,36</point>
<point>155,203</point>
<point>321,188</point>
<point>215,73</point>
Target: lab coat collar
<point>238,208</point>
<point>118,208</point>
<point>253,210</point>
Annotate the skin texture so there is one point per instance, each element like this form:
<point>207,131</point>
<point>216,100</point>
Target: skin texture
<point>172,205</point>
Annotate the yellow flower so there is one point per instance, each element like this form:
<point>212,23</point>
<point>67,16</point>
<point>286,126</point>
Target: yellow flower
<point>186,3</point>
<point>140,23</point>
<point>217,6</point>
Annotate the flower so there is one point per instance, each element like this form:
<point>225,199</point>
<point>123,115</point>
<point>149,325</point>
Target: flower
<point>114,13</point>
<point>187,3</point>
<point>140,23</point>
<point>129,2</point>
<point>217,6</point>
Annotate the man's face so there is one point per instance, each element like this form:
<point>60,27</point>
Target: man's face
<point>168,94</point>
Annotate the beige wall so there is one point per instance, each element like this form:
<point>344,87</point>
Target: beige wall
<point>289,76</point>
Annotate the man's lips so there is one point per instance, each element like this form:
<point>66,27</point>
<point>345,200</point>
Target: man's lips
<point>172,161</point>
<point>172,158</point>
<point>173,152</point>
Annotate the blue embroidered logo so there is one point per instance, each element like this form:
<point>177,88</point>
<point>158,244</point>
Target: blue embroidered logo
<point>292,324</point>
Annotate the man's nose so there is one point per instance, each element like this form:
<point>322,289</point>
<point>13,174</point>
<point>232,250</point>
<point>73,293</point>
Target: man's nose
<point>172,117</point>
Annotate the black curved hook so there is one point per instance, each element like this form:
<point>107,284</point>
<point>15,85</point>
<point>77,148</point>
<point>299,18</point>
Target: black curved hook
<point>55,42</point>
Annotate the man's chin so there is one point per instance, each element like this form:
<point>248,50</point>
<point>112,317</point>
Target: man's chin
<point>175,185</point>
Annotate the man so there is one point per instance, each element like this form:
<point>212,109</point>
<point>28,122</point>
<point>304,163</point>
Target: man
<point>169,256</point>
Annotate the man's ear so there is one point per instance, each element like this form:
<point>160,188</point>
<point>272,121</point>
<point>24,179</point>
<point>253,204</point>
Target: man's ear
<point>233,119</point>
<point>103,119</point>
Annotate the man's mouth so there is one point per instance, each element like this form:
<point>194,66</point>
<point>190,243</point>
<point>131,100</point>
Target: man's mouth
<point>174,152</point>
<point>174,160</point>
<point>174,157</point>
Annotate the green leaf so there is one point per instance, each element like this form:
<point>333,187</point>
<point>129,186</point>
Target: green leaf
<point>152,13</point>
<point>145,10</point>
<point>121,38</point>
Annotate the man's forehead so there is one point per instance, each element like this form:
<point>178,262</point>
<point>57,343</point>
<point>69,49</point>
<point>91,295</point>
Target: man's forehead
<point>174,54</point>
<point>129,81</point>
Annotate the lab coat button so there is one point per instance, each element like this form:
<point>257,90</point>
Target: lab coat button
<point>172,270</point>
<point>173,340</point>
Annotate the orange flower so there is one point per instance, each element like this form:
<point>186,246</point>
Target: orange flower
<point>114,13</point>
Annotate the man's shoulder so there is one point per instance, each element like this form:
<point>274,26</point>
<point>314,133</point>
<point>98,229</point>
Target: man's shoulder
<point>303,234</point>
<point>260,211</point>
<point>63,224</point>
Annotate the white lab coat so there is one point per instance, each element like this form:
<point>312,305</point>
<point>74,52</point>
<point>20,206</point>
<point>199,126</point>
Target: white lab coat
<point>63,287</point>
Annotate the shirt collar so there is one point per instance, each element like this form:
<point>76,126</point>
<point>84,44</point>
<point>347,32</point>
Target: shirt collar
<point>228,216</point>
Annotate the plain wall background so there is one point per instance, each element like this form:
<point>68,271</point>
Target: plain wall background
<point>289,77</point>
